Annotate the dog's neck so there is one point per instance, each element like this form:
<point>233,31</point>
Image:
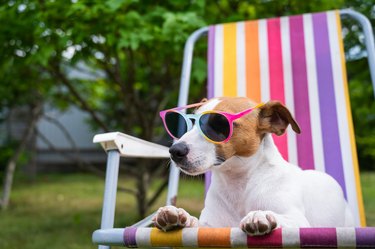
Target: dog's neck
<point>239,168</point>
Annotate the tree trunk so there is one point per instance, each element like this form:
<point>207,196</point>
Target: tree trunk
<point>12,163</point>
<point>143,182</point>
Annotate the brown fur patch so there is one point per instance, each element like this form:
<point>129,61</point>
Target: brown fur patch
<point>249,130</point>
<point>245,139</point>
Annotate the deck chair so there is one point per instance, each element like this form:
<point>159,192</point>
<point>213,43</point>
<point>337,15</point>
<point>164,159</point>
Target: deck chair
<point>298,60</point>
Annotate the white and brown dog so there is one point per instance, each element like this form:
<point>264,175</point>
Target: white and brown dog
<point>252,186</point>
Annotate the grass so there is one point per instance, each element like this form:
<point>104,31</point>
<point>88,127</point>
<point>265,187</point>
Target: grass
<point>62,211</point>
<point>368,190</point>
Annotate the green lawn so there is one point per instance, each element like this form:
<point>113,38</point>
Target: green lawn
<point>61,211</point>
<point>368,190</point>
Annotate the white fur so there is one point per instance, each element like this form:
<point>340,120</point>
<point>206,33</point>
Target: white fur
<point>246,189</point>
<point>266,182</point>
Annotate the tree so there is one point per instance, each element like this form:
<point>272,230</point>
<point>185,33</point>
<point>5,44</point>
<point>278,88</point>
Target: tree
<point>131,49</point>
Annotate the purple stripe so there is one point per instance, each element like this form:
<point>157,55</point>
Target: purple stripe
<point>300,92</point>
<point>129,237</point>
<point>365,237</point>
<point>207,181</point>
<point>330,133</point>
<point>211,82</point>
<point>318,237</point>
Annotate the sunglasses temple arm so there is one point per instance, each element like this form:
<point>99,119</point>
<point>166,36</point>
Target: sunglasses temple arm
<point>240,114</point>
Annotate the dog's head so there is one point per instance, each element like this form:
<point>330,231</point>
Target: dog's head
<point>194,155</point>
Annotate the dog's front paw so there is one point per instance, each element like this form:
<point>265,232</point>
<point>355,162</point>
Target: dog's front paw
<point>258,223</point>
<point>170,217</point>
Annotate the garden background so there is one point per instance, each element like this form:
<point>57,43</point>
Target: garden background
<point>130,53</point>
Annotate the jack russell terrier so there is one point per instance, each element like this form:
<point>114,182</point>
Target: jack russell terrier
<point>252,186</point>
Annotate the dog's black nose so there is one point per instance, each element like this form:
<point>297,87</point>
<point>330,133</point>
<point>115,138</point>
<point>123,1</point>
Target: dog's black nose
<point>179,151</point>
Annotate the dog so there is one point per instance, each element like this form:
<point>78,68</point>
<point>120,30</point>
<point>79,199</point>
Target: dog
<point>252,186</point>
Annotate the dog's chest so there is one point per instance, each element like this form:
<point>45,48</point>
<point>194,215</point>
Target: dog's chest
<point>246,197</point>
<point>227,202</point>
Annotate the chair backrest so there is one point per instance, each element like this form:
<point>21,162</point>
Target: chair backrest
<point>298,60</point>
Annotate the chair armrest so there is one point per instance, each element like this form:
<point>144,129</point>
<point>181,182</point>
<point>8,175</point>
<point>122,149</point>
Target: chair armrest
<point>130,146</point>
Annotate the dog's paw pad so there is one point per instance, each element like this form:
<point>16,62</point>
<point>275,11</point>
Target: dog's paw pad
<point>170,217</point>
<point>258,223</point>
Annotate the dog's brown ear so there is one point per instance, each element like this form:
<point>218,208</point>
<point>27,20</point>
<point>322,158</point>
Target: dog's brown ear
<point>274,117</point>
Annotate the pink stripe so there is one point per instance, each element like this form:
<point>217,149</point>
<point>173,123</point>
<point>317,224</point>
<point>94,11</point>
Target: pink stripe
<point>276,75</point>
<point>211,62</point>
<point>301,95</point>
<point>273,239</point>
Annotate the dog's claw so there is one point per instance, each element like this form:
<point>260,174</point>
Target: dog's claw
<point>258,223</point>
<point>271,219</point>
<point>262,227</point>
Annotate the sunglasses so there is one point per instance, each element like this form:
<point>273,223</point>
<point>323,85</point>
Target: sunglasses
<point>215,126</point>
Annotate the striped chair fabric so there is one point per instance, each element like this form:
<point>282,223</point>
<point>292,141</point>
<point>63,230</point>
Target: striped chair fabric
<point>235,237</point>
<point>298,60</point>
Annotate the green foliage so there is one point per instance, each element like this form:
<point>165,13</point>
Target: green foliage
<point>363,109</point>
<point>6,152</point>
<point>135,47</point>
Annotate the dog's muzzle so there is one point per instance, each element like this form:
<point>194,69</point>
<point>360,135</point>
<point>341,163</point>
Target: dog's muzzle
<point>179,152</point>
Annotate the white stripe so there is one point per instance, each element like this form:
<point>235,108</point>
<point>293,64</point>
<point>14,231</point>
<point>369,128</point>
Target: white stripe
<point>263,61</point>
<point>288,86</point>
<point>190,237</point>
<point>338,83</point>
<point>218,67</point>
<point>312,83</point>
<point>290,237</point>
<point>143,237</point>
<point>346,237</point>
<point>238,238</point>
<point>241,61</point>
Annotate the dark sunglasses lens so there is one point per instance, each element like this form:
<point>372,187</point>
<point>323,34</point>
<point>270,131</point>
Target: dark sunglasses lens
<point>176,124</point>
<point>215,126</point>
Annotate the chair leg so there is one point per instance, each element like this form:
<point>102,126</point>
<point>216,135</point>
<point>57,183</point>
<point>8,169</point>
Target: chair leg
<point>174,176</point>
<point>110,190</point>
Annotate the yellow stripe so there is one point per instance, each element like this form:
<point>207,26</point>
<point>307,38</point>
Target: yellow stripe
<point>160,238</point>
<point>351,128</point>
<point>252,61</point>
<point>229,60</point>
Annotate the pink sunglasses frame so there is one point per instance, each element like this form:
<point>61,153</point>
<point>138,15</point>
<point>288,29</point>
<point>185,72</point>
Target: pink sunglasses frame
<point>231,117</point>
